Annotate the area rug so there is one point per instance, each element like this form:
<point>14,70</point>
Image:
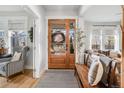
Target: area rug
<point>58,79</point>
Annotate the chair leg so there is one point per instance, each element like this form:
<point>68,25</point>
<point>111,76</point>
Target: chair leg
<point>23,71</point>
<point>7,79</point>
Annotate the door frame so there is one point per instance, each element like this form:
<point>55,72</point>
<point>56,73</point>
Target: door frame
<point>35,20</point>
<point>56,17</point>
<point>122,65</point>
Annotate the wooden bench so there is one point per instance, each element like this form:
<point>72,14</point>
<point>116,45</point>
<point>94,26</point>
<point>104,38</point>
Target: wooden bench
<point>81,73</point>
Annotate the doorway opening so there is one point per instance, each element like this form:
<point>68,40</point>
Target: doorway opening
<point>16,31</point>
<point>61,45</point>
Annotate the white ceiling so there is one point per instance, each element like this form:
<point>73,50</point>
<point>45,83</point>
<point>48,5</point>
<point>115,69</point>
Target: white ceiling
<point>62,8</point>
<point>95,13</point>
<point>9,8</point>
<point>103,13</point>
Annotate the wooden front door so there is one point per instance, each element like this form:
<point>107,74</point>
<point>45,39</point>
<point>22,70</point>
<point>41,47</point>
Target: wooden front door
<point>61,47</point>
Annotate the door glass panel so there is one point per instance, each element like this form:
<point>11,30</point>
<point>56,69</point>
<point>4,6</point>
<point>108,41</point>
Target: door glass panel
<point>58,39</point>
<point>109,42</point>
<point>71,38</point>
<point>71,35</point>
<point>96,42</point>
<point>72,24</point>
<point>96,39</point>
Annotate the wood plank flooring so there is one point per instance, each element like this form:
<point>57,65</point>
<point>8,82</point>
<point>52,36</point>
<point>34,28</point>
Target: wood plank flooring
<point>19,80</point>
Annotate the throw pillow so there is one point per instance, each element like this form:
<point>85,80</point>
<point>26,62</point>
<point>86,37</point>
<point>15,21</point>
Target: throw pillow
<point>95,73</point>
<point>92,58</point>
<point>16,57</point>
<point>106,61</point>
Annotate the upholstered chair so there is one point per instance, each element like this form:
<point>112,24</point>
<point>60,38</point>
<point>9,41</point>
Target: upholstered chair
<point>8,68</point>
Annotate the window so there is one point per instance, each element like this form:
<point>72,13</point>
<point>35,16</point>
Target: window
<point>105,38</point>
<point>2,33</point>
<point>96,42</point>
<point>13,31</point>
<point>2,39</point>
<point>109,41</point>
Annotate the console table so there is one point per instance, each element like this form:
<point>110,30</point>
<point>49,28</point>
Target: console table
<point>2,51</point>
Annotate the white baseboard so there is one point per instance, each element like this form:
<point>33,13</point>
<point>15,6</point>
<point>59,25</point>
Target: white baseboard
<point>28,67</point>
<point>38,75</point>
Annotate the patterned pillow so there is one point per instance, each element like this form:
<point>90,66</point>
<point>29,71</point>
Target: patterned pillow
<point>91,58</point>
<point>16,57</point>
<point>106,61</point>
<point>95,73</point>
<point>89,61</point>
<point>81,58</point>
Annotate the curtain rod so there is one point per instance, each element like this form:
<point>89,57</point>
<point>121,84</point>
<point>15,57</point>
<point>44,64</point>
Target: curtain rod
<point>106,25</point>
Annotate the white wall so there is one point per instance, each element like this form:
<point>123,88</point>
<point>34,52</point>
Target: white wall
<point>40,40</point>
<point>29,61</point>
<point>120,40</point>
<point>81,23</point>
<point>61,13</point>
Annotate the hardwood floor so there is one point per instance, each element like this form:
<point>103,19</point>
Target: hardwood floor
<point>19,81</point>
